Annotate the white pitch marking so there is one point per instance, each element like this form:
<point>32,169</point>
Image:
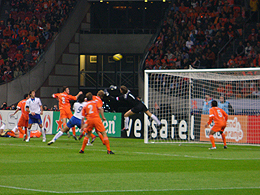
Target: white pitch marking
<point>137,190</point>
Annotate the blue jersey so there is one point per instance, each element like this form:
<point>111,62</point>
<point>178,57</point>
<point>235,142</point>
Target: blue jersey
<point>224,106</point>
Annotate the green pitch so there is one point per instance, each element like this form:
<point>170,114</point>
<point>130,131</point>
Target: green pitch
<point>136,168</point>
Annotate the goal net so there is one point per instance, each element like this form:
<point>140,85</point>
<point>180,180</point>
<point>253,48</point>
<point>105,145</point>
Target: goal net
<point>181,99</point>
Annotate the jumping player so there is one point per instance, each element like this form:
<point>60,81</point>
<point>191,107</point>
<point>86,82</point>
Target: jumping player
<point>98,98</point>
<point>220,119</point>
<point>91,111</point>
<point>74,120</point>
<point>34,107</point>
<point>64,105</point>
<point>23,121</point>
<point>137,106</point>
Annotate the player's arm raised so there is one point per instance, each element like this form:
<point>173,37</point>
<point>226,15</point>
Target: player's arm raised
<point>55,95</point>
<point>79,93</point>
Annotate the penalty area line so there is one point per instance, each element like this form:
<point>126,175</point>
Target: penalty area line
<point>137,190</point>
<point>198,157</point>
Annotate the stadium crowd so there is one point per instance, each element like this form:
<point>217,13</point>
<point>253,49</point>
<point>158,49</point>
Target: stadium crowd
<point>4,106</point>
<point>194,32</point>
<point>247,54</point>
<point>24,35</point>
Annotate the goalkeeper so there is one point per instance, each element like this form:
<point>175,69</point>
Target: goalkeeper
<point>136,104</point>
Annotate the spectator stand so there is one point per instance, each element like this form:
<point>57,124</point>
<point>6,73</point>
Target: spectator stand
<point>30,27</point>
<point>230,48</point>
<point>209,25</point>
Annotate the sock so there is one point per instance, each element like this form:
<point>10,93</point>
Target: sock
<point>224,139</point>
<point>92,135</point>
<point>14,128</point>
<point>73,131</point>
<point>81,135</point>
<point>107,143</point>
<point>212,140</point>
<point>3,126</point>
<point>126,122</point>
<point>21,130</point>
<point>43,132</point>
<point>156,119</point>
<point>60,133</point>
<point>11,133</point>
<point>25,131</point>
<point>28,133</point>
<point>85,141</point>
<point>101,137</point>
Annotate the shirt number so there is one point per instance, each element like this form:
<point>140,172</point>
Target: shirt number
<point>63,100</point>
<point>90,109</point>
<point>79,109</point>
<point>219,113</point>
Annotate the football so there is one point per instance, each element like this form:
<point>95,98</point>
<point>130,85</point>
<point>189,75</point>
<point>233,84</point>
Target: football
<point>117,57</point>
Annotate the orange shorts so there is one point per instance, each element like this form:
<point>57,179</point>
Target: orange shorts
<point>95,123</point>
<point>23,121</point>
<point>218,127</point>
<point>65,113</point>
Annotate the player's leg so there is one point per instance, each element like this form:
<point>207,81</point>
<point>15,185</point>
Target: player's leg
<point>100,136</point>
<point>223,138</point>
<point>21,123</point>
<point>87,128</point>
<point>100,128</point>
<point>25,128</point>
<point>126,117</point>
<point>43,133</point>
<point>212,132</point>
<point>153,117</point>
<point>25,132</point>
<point>69,116</point>
<point>20,129</point>
<point>59,134</point>
<point>93,137</point>
<point>29,130</point>
<point>64,121</point>
<point>81,135</point>
<point>85,141</point>
<point>11,133</point>
<point>63,117</point>
<point>42,129</point>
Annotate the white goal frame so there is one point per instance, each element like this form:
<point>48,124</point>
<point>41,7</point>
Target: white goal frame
<point>189,72</point>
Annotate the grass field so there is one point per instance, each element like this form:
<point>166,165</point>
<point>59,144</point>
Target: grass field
<point>136,168</point>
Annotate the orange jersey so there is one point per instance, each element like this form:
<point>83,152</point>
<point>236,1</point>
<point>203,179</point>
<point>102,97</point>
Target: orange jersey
<point>218,115</point>
<point>98,100</point>
<point>90,110</point>
<point>64,100</point>
<point>21,105</point>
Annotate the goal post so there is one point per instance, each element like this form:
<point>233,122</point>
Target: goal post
<point>181,99</point>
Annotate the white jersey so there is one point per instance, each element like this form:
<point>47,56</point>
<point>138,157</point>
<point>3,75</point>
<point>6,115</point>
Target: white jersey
<point>34,105</point>
<point>77,107</point>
